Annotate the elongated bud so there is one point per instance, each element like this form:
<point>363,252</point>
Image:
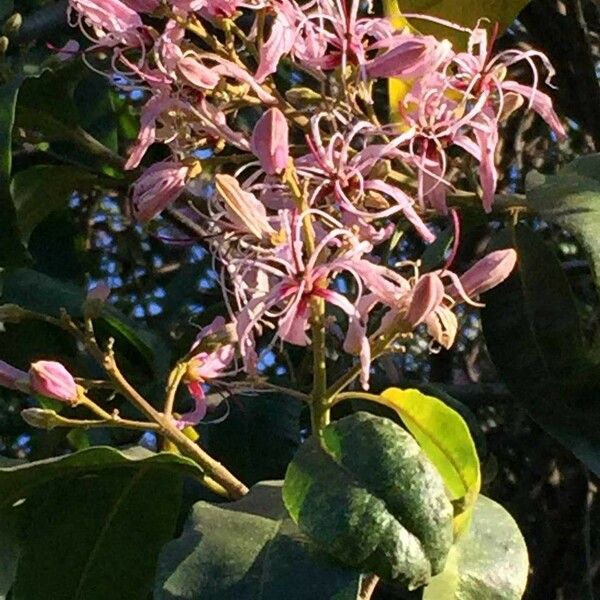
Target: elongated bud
<point>12,24</point>
<point>412,57</point>
<point>243,208</point>
<point>4,43</point>
<point>270,141</point>
<point>11,313</point>
<point>301,96</point>
<point>13,378</point>
<point>488,272</point>
<point>40,417</point>
<point>159,185</point>
<point>427,296</point>
<point>51,379</point>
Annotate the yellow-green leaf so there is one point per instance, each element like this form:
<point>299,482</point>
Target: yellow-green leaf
<point>445,438</point>
<point>462,12</point>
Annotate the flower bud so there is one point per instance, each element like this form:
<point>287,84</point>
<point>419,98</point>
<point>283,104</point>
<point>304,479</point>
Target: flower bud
<point>488,272</point>
<point>41,418</point>
<point>12,24</point>
<point>427,296</point>
<point>52,380</point>
<point>159,185</point>
<point>11,313</point>
<point>100,291</point>
<point>3,45</point>
<point>270,141</point>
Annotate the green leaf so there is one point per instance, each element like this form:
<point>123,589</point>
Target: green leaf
<point>43,189</point>
<point>89,529</point>
<point>12,252</point>
<point>489,562</point>
<point>38,292</point>
<point>533,316</point>
<point>10,549</point>
<point>462,12</point>
<point>372,499</point>
<point>445,438</point>
<point>248,550</point>
<point>571,199</point>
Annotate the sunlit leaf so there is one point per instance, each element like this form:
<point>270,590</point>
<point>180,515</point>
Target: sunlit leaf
<point>446,439</point>
<point>489,562</point>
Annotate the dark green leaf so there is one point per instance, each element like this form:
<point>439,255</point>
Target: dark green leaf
<point>533,333</point>
<point>10,549</point>
<point>43,189</point>
<point>372,499</point>
<point>96,521</point>
<point>571,199</point>
<point>47,295</point>
<point>12,252</point>
<point>489,562</point>
<point>248,550</point>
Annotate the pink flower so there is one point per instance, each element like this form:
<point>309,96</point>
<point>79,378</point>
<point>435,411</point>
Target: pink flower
<point>13,378</point>
<point>143,6</point>
<point>157,188</point>
<point>270,141</point>
<point>113,20</point>
<point>52,380</point>
<point>202,368</point>
<point>280,42</point>
<point>196,74</point>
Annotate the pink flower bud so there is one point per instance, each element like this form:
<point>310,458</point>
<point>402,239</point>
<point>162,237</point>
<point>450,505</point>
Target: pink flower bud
<point>160,185</point>
<point>13,378</point>
<point>51,379</point>
<point>412,57</point>
<point>488,272</point>
<point>101,292</point>
<point>427,296</point>
<point>270,141</point>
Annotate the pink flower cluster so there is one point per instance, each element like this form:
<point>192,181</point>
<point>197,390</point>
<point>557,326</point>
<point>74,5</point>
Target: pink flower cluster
<point>322,184</point>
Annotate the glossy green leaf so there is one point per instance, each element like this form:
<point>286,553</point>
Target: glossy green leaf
<point>248,550</point>
<point>571,199</point>
<point>490,562</point>
<point>533,333</point>
<point>372,499</point>
<point>446,439</point>
<point>43,189</point>
<point>95,521</point>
